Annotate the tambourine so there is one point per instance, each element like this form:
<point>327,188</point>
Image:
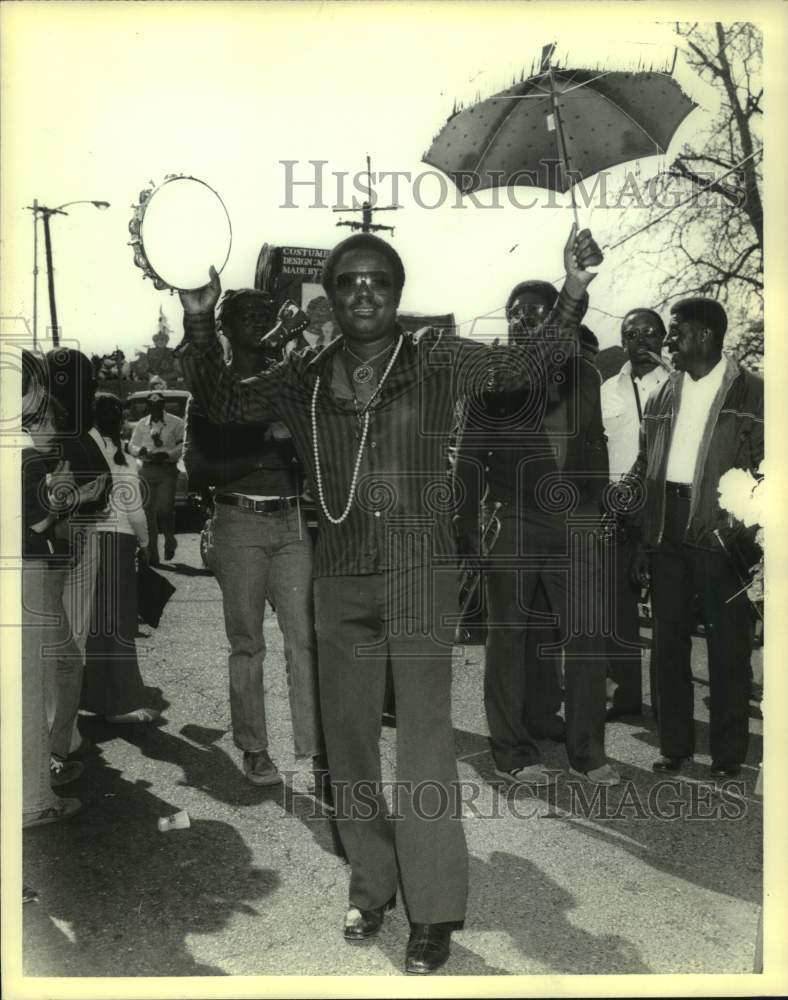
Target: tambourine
<point>179,228</point>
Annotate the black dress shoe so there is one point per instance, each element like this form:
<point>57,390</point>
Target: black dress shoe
<point>725,770</point>
<point>428,948</point>
<point>363,925</point>
<point>668,764</point>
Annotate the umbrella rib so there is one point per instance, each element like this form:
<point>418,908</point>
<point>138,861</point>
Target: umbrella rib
<point>493,137</point>
<point>634,122</point>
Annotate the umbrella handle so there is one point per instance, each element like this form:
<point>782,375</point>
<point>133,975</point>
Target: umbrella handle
<point>563,156</point>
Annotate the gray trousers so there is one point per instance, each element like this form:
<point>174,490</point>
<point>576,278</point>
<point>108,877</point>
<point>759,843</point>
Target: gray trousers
<point>423,843</point>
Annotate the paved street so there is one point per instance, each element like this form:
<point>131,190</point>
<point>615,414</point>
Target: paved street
<point>254,886</point>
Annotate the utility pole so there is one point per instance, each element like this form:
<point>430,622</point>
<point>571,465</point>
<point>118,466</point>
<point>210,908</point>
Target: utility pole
<point>367,225</point>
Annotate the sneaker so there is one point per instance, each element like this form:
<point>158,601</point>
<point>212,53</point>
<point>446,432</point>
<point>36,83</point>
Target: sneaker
<point>530,774</point>
<point>138,715</point>
<point>61,772</point>
<point>260,769</point>
<point>62,809</point>
<point>604,775</point>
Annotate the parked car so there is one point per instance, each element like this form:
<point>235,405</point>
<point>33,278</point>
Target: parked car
<point>175,400</point>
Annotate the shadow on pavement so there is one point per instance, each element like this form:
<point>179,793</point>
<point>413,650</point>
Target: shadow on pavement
<point>118,898</point>
<point>670,829</point>
<point>211,770</point>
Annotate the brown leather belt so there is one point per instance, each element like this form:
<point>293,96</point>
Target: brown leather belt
<point>256,506</point>
<point>683,490</point>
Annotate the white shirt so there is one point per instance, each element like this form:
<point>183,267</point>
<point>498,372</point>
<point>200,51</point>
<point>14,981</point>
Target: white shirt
<point>126,514</point>
<point>620,414</point>
<point>170,431</point>
<point>696,399</point>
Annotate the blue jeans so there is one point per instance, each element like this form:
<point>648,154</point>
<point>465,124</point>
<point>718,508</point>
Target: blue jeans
<point>260,556</point>
<point>49,654</point>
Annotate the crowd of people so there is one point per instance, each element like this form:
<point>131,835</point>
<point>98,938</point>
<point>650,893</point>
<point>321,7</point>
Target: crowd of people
<point>567,495</point>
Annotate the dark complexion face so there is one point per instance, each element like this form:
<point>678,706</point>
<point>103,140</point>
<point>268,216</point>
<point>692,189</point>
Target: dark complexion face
<point>692,345</point>
<point>641,337</point>
<point>364,296</point>
<point>156,409</point>
<point>251,320</point>
<point>525,314</point>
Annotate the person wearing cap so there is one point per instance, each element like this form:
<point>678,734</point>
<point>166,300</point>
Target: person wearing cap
<point>262,548</point>
<point>624,398</point>
<point>705,418</point>
<point>542,463</point>
<point>157,441</point>
<point>371,417</point>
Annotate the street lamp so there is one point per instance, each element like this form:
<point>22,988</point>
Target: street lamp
<point>46,213</point>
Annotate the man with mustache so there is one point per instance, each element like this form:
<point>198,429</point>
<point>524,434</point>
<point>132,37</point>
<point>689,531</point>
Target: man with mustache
<point>705,419</point>
<point>371,417</point>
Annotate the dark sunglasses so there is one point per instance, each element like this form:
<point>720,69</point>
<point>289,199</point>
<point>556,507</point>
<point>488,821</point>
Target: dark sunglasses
<point>638,333</point>
<point>376,281</point>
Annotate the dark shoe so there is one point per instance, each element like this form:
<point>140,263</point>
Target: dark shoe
<point>428,948</point>
<point>61,772</point>
<point>169,549</point>
<point>725,770</point>
<point>668,765</point>
<point>363,925</point>
<point>260,769</point>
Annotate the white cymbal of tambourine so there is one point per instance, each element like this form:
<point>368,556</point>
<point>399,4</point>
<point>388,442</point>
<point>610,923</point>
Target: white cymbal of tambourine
<point>179,229</point>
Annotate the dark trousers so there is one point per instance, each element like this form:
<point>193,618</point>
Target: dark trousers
<point>681,575</point>
<point>624,664</point>
<point>360,622</point>
<point>544,674</point>
<point>160,481</point>
<point>567,565</point>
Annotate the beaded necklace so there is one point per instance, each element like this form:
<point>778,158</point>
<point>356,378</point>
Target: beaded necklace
<point>364,432</point>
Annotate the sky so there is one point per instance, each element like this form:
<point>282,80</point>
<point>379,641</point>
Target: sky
<point>100,98</point>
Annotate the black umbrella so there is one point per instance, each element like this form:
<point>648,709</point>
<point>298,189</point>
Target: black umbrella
<point>558,127</point>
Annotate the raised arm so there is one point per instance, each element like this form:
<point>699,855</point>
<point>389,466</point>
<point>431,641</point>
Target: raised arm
<point>222,397</point>
<point>515,366</point>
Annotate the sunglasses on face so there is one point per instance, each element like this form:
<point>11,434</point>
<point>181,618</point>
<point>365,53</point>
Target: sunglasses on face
<point>638,333</point>
<point>527,310</point>
<point>376,281</point>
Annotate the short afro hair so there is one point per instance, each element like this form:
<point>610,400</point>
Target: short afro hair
<point>227,309</point>
<point>363,241</point>
<point>544,289</point>
<point>547,292</point>
<point>656,319</point>
<point>708,312</point>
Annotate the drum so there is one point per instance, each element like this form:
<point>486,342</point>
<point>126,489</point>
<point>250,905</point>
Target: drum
<point>179,229</point>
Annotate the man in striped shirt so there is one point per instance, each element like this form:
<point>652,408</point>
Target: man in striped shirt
<point>372,416</point>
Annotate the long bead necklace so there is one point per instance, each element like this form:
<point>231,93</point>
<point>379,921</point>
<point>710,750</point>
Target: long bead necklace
<point>363,373</point>
<point>364,431</point>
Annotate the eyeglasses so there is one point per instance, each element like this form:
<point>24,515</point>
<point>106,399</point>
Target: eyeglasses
<point>520,311</point>
<point>638,333</point>
<point>376,281</point>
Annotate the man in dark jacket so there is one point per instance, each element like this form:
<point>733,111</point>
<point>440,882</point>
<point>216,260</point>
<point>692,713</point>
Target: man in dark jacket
<point>545,462</point>
<point>705,419</point>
